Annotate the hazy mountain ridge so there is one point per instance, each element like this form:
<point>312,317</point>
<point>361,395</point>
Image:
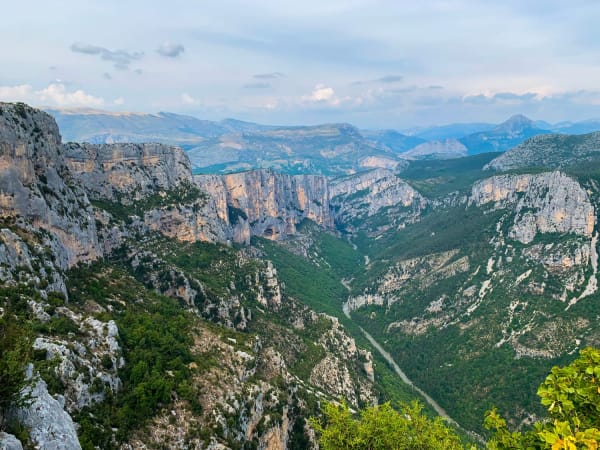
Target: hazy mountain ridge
<point>554,150</point>
<point>329,149</point>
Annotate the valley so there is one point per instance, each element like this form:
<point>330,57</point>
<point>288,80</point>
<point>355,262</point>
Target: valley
<point>222,310</point>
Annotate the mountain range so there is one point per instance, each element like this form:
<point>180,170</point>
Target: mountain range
<point>330,149</point>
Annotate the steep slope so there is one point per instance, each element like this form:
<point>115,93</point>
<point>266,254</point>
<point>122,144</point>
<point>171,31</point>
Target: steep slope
<point>37,190</point>
<point>374,201</point>
<point>553,150</point>
<point>481,296</point>
<point>507,135</point>
<point>267,204</point>
<point>144,334</point>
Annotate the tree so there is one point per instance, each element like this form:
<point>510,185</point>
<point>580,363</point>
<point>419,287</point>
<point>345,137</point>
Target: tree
<point>15,353</point>
<point>572,396</point>
<point>382,428</point>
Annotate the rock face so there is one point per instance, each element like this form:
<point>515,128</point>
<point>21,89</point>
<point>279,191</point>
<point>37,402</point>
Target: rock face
<point>550,150</point>
<point>50,427</point>
<point>36,186</point>
<point>546,203</point>
<point>360,196</point>
<point>127,172</point>
<point>9,442</point>
<point>263,203</point>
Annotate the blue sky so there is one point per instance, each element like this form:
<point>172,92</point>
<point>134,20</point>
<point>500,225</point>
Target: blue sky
<point>375,63</point>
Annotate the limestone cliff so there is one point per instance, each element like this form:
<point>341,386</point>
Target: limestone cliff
<point>127,172</point>
<point>545,203</point>
<point>264,203</point>
<point>356,198</point>
<point>36,187</point>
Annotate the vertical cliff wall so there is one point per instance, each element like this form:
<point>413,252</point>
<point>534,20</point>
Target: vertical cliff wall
<point>267,204</point>
<point>36,187</point>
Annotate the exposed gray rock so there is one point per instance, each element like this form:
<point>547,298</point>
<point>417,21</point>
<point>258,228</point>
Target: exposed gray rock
<point>365,194</point>
<point>551,150</point>
<point>127,172</point>
<point>267,204</point>
<point>49,425</point>
<point>546,203</point>
<point>36,186</point>
<point>9,442</point>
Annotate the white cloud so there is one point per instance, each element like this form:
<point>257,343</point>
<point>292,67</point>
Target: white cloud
<point>322,94</point>
<point>119,101</point>
<point>187,99</point>
<point>20,93</point>
<point>55,94</point>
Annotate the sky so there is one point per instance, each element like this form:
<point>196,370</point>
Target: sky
<point>374,63</point>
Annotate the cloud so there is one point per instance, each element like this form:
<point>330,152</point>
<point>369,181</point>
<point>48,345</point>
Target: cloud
<point>170,50</point>
<point>269,76</point>
<point>390,79</point>
<point>386,79</point>
<point>107,76</point>
<point>187,99</point>
<point>323,95</point>
<point>260,85</point>
<point>502,97</point>
<point>120,58</point>
<point>54,94</point>
<point>19,93</point>
<point>119,101</point>
<point>57,94</point>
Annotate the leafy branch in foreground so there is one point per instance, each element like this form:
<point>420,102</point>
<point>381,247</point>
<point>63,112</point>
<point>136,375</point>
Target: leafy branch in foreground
<point>572,396</point>
<point>383,428</point>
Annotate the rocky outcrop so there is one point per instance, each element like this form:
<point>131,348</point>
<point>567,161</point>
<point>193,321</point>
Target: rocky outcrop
<point>358,197</point>
<point>551,150</point>
<point>127,172</point>
<point>50,427</point>
<point>267,204</point>
<point>9,442</point>
<point>36,186</point>
<point>150,181</point>
<point>549,202</point>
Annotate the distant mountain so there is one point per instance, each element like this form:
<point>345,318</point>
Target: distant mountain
<point>101,127</point>
<point>452,131</point>
<point>502,137</point>
<point>331,149</point>
<point>392,139</point>
<point>550,151</point>
<point>587,126</point>
<point>446,149</point>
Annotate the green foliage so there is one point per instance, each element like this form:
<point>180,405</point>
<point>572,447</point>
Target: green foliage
<point>15,353</point>
<point>155,333</point>
<point>383,428</point>
<point>235,214</point>
<point>183,194</point>
<point>571,395</point>
<point>435,178</point>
